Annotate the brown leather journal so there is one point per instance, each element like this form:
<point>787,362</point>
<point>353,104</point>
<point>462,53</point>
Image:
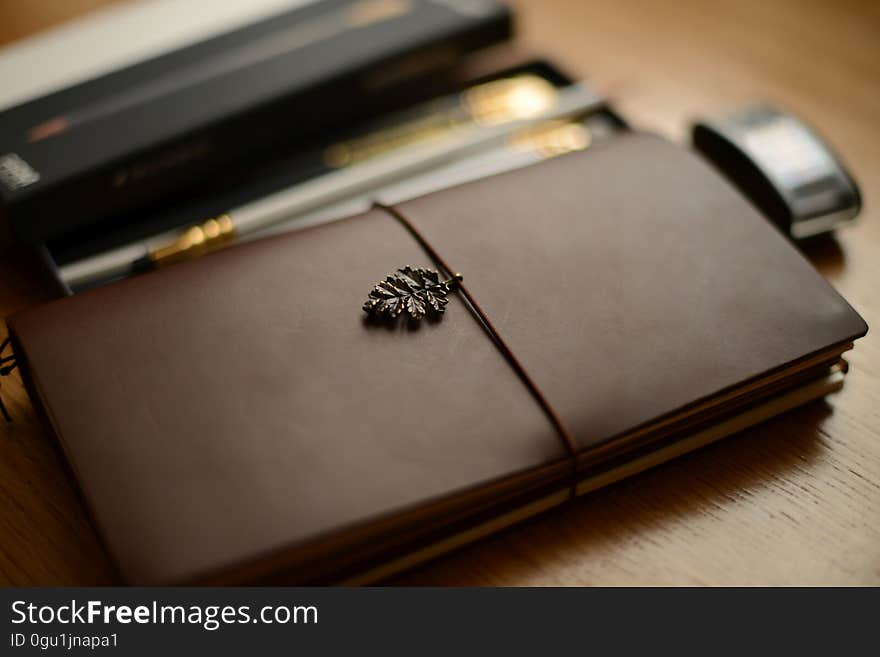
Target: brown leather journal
<point>236,419</point>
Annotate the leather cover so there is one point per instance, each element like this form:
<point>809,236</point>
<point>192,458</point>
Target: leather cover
<point>224,412</point>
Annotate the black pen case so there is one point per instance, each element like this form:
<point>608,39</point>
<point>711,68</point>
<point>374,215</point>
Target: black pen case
<point>118,144</point>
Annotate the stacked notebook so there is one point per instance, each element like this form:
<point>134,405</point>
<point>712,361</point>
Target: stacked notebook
<point>239,419</point>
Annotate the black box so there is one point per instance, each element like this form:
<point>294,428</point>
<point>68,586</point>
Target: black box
<point>100,150</point>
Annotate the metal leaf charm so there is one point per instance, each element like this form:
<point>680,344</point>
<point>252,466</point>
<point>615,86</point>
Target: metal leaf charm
<point>414,290</point>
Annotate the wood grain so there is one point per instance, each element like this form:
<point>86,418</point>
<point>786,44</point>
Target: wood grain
<point>794,501</point>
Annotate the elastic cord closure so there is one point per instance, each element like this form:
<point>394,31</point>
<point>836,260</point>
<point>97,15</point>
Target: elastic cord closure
<point>558,425</point>
<point>7,365</point>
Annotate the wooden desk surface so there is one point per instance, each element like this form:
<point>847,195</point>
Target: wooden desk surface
<point>795,501</point>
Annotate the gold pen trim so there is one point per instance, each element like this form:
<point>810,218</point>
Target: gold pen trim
<point>488,104</point>
<point>553,138</point>
<point>196,241</point>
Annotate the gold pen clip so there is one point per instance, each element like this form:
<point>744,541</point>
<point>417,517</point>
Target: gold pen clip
<point>196,241</point>
<point>553,138</point>
<point>509,99</point>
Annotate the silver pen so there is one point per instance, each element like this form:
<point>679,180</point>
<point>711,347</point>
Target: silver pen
<point>354,179</point>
